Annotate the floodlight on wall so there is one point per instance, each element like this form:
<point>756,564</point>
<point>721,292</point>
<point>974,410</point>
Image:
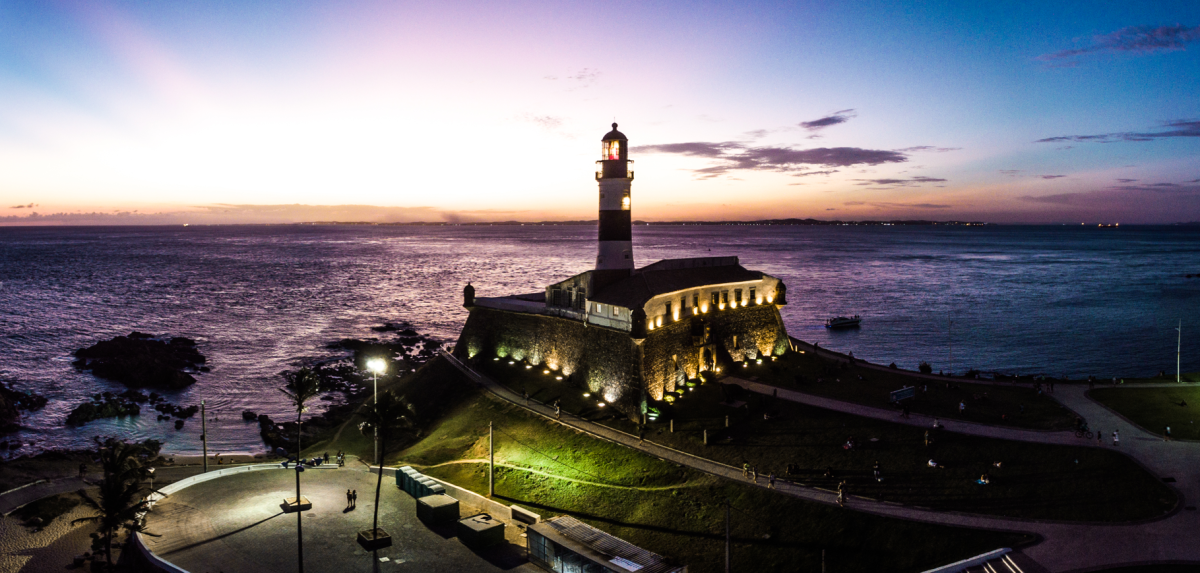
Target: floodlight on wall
<point>758,300</point>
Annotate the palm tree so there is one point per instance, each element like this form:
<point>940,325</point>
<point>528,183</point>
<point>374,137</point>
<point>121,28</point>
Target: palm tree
<point>119,504</point>
<point>302,387</point>
<point>388,415</point>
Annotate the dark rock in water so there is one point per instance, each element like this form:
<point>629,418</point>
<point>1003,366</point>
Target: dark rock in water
<point>12,402</point>
<point>249,416</point>
<point>110,407</point>
<point>135,396</point>
<point>390,327</point>
<point>178,424</point>
<point>140,361</point>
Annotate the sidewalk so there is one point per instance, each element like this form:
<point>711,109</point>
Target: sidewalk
<point>1065,546</point>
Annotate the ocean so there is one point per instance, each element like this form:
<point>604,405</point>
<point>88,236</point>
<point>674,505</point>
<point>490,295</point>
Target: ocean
<point>1057,300</point>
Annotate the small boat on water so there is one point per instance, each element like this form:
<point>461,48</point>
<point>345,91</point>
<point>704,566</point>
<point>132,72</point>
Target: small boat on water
<point>844,322</point>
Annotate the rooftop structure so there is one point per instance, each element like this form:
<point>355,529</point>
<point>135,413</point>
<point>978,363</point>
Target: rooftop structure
<point>566,544</point>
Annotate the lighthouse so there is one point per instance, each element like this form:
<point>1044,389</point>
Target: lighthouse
<point>616,223</point>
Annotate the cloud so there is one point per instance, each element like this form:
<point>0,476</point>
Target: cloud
<point>584,78</point>
<point>1121,196</point>
<point>732,156</point>
<point>29,206</point>
<point>1137,40</point>
<point>1056,199</point>
<point>1010,172</point>
<point>893,183</point>
<point>1128,180</point>
<point>1053,176</point>
<point>928,148</point>
<point>832,119</point>
<point>1173,128</point>
<point>547,122</point>
<point>887,205</point>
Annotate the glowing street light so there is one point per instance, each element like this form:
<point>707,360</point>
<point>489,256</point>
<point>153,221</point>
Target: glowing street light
<point>377,366</point>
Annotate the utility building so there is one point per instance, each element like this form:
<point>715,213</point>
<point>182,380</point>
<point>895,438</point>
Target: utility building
<point>631,334</point>
<point>567,545</point>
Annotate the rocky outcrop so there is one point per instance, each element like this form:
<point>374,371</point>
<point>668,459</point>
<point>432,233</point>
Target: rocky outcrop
<point>106,405</point>
<point>11,404</point>
<point>143,361</point>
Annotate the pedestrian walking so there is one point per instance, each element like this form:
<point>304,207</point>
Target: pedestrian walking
<point>771,481</point>
<point>1167,434</point>
<point>746,469</point>
<point>962,407</point>
<point>1099,438</point>
<point>754,474</point>
<point>349,499</point>
<point>325,458</point>
<point>927,438</point>
<point>877,477</point>
<point>841,497</point>
<point>353,499</point>
<point>557,411</point>
<point>1116,438</point>
<point>525,393</point>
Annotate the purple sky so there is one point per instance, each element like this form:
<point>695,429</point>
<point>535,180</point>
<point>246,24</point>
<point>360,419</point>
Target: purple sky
<point>270,112</point>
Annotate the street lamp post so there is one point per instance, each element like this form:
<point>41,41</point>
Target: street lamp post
<point>151,472</point>
<point>1178,347</point>
<point>376,366</point>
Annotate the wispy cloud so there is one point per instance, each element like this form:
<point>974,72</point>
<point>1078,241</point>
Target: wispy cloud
<point>928,148</point>
<point>1010,172</point>
<point>1136,40</point>
<point>733,156</point>
<point>547,122</point>
<point>1118,197</point>
<point>832,119</point>
<point>887,205</point>
<point>1053,176</point>
<point>893,183</point>
<point>29,206</point>
<point>1173,128</point>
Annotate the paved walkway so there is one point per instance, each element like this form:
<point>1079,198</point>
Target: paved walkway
<point>1065,546</point>
<point>235,524</point>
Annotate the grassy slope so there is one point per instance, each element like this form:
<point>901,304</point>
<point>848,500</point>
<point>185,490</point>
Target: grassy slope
<point>1155,408</point>
<point>1041,412</point>
<point>1037,481</point>
<point>680,512</point>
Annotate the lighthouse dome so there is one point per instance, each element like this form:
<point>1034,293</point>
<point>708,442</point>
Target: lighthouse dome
<point>614,135</point>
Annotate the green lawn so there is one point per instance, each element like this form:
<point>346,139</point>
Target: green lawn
<point>1036,480</point>
<point>1156,408</point>
<point>671,510</point>
<point>1016,405</point>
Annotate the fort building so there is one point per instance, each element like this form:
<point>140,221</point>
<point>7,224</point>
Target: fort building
<point>631,334</point>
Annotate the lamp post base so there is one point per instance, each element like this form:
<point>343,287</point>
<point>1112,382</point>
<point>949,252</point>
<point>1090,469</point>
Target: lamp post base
<point>290,505</point>
<point>372,539</point>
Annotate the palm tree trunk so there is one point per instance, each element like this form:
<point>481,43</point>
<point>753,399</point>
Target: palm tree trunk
<point>108,549</point>
<point>299,514</point>
<point>378,485</point>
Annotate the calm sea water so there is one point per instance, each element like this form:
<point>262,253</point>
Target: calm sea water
<point>259,300</point>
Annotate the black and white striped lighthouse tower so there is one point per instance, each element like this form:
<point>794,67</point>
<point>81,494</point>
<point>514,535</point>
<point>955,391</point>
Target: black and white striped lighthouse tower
<point>616,222</point>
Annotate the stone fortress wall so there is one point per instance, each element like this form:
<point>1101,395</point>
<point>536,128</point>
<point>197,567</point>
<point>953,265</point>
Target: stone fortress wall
<point>611,363</point>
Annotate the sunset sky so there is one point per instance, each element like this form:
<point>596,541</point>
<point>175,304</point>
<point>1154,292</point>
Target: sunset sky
<point>265,112</point>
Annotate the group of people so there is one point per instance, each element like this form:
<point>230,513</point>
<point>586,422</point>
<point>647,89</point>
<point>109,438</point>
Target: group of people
<point>351,498</point>
<point>751,472</point>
